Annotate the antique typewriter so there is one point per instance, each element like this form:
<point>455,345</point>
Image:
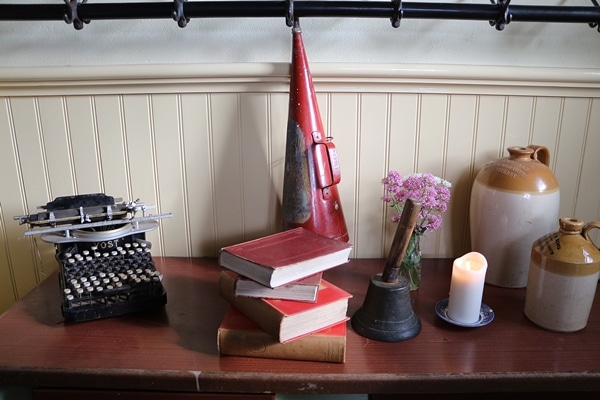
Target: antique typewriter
<point>105,262</point>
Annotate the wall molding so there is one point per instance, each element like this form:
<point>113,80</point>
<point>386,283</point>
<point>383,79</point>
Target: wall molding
<point>274,77</point>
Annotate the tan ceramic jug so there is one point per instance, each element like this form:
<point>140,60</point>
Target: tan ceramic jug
<point>563,277</point>
<point>514,200</point>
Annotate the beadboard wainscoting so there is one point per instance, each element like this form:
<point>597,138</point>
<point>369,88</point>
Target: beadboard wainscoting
<point>207,142</point>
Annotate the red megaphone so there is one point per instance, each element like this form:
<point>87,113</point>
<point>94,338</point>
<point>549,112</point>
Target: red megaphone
<point>312,171</point>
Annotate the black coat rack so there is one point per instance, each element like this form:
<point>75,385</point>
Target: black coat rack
<point>498,12</point>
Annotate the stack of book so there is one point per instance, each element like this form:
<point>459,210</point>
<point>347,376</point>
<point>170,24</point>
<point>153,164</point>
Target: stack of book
<point>280,305</point>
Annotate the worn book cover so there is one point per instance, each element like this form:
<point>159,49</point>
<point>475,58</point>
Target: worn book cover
<point>305,289</point>
<point>239,336</point>
<point>284,257</point>
<point>286,320</point>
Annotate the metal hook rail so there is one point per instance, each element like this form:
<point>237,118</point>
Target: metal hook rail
<point>499,13</point>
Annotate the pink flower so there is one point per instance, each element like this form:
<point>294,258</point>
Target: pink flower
<point>432,192</point>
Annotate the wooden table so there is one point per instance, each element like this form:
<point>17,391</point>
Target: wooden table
<point>173,349</point>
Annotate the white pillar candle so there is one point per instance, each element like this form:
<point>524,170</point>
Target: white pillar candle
<point>466,288</point>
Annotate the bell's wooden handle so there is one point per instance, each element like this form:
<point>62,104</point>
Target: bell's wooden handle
<point>404,230</point>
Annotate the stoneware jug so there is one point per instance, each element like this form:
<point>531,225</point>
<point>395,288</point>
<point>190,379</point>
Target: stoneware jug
<point>514,201</point>
<point>563,277</point>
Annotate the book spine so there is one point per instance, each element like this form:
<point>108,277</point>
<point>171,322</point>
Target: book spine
<point>259,312</point>
<point>316,347</point>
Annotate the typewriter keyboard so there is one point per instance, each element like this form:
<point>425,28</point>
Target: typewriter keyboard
<point>102,284</point>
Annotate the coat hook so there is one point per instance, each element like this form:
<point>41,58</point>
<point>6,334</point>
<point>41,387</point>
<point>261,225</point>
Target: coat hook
<point>178,14</point>
<point>595,24</point>
<point>397,13</point>
<point>289,13</point>
<point>504,16</point>
<point>71,14</point>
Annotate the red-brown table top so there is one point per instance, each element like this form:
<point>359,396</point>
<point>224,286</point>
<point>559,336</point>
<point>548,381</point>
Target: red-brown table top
<point>173,348</point>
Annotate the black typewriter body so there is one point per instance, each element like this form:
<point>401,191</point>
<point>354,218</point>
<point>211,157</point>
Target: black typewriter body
<point>105,263</point>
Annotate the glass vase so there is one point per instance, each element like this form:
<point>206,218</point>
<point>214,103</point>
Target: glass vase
<point>410,267</point>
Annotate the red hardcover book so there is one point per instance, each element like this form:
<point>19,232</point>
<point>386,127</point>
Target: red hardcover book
<point>286,320</point>
<point>284,257</point>
<point>305,289</point>
<point>239,336</point>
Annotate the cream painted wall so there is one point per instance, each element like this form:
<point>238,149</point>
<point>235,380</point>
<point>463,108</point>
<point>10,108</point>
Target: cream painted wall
<point>379,88</point>
<point>206,142</point>
<point>54,43</point>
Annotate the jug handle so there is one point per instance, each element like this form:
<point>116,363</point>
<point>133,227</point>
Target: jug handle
<point>540,153</point>
<point>587,228</point>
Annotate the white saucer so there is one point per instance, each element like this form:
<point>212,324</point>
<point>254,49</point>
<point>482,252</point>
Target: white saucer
<point>486,315</point>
